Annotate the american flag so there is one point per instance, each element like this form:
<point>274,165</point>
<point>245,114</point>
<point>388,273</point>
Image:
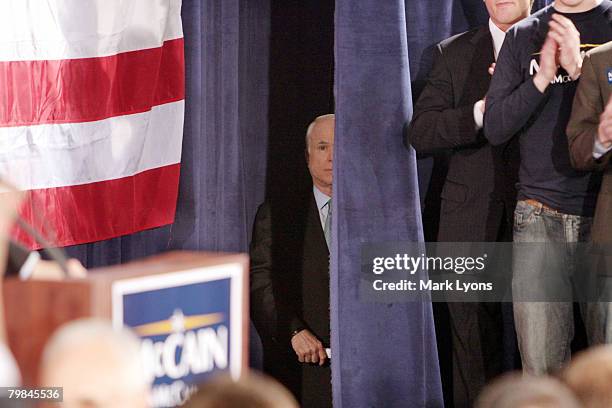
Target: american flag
<point>92,96</point>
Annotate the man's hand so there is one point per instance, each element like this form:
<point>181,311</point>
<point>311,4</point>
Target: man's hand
<point>548,64</point>
<point>563,31</point>
<point>491,69</point>
<point>604,131</point>
<point>308,348</point>
<point>50,270</point>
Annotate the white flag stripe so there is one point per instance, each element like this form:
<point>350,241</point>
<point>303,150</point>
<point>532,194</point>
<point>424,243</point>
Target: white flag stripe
<point>58,155</point>
<point>69,29</point>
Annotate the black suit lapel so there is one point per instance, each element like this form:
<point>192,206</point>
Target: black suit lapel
<point>478,79</point>
<point>315,270</point>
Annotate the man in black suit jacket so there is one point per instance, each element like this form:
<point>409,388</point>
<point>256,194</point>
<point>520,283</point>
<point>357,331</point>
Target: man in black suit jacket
<point>289,278</point>
<point>478,194</point>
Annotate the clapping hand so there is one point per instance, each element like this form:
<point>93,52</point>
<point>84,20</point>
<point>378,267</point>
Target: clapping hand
<point>567,37</point>
<point>548,64</point>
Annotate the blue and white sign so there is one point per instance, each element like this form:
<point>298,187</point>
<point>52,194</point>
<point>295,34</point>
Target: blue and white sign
<point>190,323</point>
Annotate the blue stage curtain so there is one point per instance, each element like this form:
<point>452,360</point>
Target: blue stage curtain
<point>226,123</point>
<point>383,355</point>
<point>223,162</point>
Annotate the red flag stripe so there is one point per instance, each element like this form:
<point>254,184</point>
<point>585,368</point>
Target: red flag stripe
<point>91,89</point>
<point>103,210</point>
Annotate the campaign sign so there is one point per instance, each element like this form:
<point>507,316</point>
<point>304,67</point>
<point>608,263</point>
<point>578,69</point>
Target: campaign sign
<point>190,323</point>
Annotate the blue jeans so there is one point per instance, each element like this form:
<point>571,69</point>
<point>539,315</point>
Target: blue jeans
<point>545,329</point>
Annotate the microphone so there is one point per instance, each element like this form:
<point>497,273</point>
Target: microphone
<point>56,254</point>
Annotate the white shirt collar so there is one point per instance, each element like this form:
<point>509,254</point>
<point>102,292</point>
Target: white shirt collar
<point>320,198</point>
<point>498,37</point>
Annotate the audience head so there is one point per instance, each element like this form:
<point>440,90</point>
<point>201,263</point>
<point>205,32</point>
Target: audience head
<point>320,151</point>
<point>504,13</point>
<point>9,372</point>
<point>589,375</point>
<point>574,6</point>
<point>252,391</point>
<point>96,365</point>
<point>517,391</point>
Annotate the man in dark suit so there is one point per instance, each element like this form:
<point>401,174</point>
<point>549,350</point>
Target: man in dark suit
<point>590,132</point>
<point>289,278</point>
<point>478,194</point>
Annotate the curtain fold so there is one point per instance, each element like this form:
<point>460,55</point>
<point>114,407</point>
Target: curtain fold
<point>226,123</point>
<point>382,354</point>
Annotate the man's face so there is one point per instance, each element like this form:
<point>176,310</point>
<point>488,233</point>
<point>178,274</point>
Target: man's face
<point>320,153</point>
<point>505,13</point>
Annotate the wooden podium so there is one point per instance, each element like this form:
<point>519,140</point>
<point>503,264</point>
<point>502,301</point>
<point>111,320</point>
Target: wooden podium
<point>34,309</point>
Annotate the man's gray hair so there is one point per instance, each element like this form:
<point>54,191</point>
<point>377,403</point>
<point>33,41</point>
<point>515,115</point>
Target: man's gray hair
<point>516,390</point>
<point>312,125</point>
<point>589,375</point>
<point>121,345</point>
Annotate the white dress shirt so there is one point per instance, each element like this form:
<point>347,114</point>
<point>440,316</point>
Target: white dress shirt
<point>322,200</point>
<point>498,40</point>
<point>498,37</point>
